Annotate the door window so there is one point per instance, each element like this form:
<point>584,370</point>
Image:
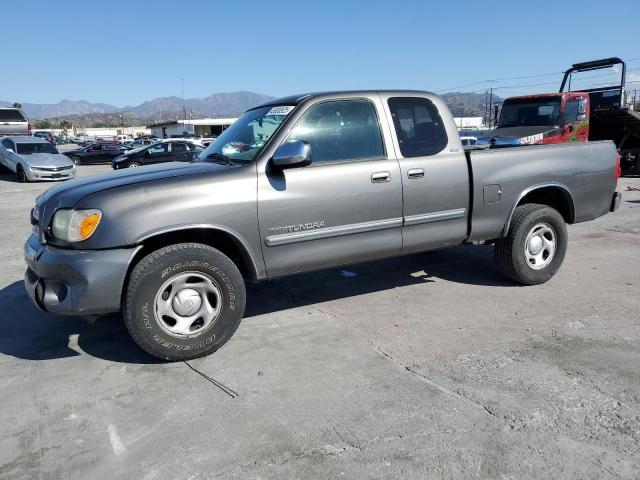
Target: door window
<point>571,110</point>
<point>159,149</point>
<point>178,148</point>
<point>418,126</point>
<point>6,143</point>
<point>341,130</point>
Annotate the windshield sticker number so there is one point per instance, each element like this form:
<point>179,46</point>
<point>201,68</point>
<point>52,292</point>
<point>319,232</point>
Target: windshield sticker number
<point>282,110</point>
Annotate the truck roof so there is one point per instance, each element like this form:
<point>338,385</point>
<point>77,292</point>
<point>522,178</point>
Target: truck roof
<point>24,139</point>
<point>298,99</point>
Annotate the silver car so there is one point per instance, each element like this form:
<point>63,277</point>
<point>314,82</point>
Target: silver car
<point>32,158</point>
<point>13,121</point>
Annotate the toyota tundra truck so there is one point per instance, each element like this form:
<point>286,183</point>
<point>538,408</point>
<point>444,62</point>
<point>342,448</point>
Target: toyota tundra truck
<point>299,184</point>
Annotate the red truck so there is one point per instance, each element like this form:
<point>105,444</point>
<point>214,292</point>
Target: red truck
<point>587,107</point>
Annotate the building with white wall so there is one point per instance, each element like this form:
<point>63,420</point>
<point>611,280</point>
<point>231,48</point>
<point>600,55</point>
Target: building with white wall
<point>203,127</point>
<point>468,123</point>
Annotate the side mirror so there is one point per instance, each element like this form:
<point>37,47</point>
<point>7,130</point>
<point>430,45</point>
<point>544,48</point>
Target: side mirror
<point>295,153</point>
<point>10,150</point>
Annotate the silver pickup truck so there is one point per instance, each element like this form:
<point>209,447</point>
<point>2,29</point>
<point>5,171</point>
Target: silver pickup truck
<point>301,183</point>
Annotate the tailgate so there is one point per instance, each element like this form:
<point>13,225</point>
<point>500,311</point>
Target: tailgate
<point>13,128</point>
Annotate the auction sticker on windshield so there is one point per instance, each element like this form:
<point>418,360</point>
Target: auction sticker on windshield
<point>281,110</point>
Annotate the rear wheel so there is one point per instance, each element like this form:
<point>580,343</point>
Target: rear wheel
<point>535,246</point>
<point>76,160</point>
<point>184,301</point>
<point>133,165</point>
<point>20,173</point>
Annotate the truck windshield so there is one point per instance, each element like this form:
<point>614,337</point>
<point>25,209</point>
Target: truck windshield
<point>29,148</point>
<point>246,137</point>
<point>519,112</point>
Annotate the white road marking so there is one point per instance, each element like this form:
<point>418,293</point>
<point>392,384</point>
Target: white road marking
<point>116,443</point>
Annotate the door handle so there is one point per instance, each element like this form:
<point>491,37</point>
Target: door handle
<point>380,177</point>
<point>415,173</point>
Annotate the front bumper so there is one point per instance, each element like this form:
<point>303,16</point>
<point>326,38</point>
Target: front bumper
<point>35,174</point>
<point>75,282</point>
<point>615,202</point>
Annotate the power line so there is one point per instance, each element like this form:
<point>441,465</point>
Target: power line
<point>528,76</point>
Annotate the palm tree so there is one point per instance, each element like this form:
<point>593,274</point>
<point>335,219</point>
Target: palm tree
<point>17,105</point>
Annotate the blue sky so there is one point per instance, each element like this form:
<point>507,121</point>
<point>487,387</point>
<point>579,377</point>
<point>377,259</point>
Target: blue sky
<point>123,53</point>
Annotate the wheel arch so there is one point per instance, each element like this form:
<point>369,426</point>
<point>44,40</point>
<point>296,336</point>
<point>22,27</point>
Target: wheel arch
<point>554,195</point>
<point>228,242</point>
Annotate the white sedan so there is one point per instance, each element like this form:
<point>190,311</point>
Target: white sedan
<point>33,158</point>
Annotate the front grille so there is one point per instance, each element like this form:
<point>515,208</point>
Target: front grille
<point>32,276</point>
<point>51,169</point>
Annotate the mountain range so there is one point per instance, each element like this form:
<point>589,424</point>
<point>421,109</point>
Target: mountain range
<point>218,104</point>
<point>82,113</point>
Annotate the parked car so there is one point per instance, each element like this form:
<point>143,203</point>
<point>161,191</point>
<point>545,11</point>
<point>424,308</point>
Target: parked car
<point>123,138</point>
<point>33,158</point>
<point>468,141</point>
<point>97,152</point>
<point>170,150</point>
<point>13,121</point>
<point>308,183</point>
<point>47,135</point>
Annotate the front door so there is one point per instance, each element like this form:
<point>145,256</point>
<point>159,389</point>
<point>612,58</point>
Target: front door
<point>435,174</point>
<point>179,152</point>
<point>344,207</point>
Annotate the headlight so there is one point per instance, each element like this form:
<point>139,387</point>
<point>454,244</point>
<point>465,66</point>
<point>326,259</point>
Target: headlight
<point>75,225</point>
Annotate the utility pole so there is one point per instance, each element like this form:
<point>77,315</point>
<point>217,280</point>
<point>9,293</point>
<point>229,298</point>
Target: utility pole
<point>490,103</point>
<point>184,108</point>
<point>486,107</point>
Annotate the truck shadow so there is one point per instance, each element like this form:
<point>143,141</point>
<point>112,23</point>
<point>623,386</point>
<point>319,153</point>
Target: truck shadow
<point>472,265</point>
<point>34,335</point>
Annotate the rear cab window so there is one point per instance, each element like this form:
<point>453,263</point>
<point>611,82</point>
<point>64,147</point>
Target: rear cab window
<point>418,126</point>
<point>11,115</point>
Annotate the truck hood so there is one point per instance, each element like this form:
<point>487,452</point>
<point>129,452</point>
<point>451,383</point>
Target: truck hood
<point>46,160</point>
<point>68,194</point>
<point>516,135</point>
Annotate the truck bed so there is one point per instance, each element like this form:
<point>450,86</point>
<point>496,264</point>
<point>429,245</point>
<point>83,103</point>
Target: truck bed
<point>500,178</point>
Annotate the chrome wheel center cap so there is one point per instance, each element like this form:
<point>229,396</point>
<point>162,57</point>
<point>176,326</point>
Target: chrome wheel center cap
<point>535,245</point>
<point>187,302</point>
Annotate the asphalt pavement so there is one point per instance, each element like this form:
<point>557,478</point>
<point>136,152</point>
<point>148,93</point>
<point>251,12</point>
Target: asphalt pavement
<point>426,366</point>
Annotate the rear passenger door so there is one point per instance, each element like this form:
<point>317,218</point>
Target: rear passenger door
<point>344,207</point>
<point>434,172</point>
<point>94,154</point>
<point>179,152</point>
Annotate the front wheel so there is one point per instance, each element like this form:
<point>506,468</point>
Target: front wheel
<point>184,301</point>
<point>20,173</point>
<point>535,246</point>
<point>76,160</point>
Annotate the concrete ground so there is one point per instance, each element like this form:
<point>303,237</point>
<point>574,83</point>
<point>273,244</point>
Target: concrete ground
<point>428,366</point>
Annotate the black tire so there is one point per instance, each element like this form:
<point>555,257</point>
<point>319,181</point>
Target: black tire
<point>133,164</point>
<point>22,176</point>
<point>77,160</point>
<point>510,253</point>
<point>177,261</point>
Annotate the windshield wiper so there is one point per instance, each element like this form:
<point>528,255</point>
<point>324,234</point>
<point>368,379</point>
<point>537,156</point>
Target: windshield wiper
<point>219,156</point>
